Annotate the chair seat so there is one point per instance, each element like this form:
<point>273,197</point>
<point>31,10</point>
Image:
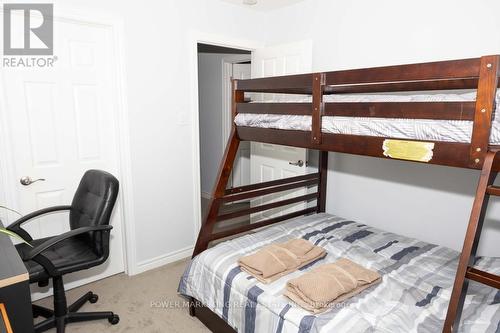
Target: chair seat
<point>70,255</point>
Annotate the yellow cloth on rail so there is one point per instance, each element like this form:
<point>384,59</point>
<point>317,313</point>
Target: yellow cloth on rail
<point>276,260</point>
<point>329,284</point>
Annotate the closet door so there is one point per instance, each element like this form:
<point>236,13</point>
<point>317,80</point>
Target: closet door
<point>267,161</point>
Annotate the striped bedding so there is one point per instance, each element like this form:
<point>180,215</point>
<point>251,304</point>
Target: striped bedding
<point>412,297</point>
<point>416,129</point>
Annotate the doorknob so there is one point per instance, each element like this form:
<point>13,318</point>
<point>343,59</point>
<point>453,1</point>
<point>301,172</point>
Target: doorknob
<point>26,180</point>
<point>299,163</point>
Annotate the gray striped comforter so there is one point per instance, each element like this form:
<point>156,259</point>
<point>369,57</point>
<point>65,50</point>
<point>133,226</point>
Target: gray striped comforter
<point>412,297</point>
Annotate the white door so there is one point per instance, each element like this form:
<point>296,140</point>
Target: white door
<point>60,123</point>
<point>270,162</point>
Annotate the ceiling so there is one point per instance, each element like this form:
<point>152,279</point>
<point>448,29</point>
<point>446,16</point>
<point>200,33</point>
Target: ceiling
<point>265,5</point>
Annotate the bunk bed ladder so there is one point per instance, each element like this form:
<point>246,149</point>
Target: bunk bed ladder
<point>466,271</point>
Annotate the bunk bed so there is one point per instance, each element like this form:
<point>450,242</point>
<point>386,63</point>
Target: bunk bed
<point>373,112</point>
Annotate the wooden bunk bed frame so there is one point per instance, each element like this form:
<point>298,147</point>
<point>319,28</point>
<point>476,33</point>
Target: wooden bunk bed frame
<point>478,73</point>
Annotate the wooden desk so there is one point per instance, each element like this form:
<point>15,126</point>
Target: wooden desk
<point>14,287</point>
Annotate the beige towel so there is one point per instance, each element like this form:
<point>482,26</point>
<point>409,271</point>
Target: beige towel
<point>276,260</point>
<point>329,284</point>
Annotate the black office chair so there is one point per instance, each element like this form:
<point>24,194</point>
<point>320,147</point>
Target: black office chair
<point>85,245</point>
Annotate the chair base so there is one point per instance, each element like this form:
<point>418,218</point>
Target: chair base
<point>71,315</point>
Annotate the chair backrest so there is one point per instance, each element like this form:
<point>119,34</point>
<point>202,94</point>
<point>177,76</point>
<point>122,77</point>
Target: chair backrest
<point>92,205</point>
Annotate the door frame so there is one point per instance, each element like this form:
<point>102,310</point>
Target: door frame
<point>195,37</point>
<point>227,69</point>
<point>115,24</point>
<point>226,116</point>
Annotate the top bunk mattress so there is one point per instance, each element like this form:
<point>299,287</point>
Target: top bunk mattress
<point>415,129</point>
<point>417,279</point>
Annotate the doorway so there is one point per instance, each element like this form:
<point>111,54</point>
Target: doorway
<point>216,66</point>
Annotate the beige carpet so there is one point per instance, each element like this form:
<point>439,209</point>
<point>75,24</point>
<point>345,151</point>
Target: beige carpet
<point>145,303</point>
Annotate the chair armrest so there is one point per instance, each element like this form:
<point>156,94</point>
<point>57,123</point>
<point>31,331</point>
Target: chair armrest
<point>57,239</point>
<point>16,225</point>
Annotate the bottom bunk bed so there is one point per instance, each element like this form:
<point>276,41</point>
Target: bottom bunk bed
<point>417,279</point>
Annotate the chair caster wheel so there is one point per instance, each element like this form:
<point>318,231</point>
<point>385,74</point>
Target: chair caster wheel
<point>93,299</point>
<point>114,320</point>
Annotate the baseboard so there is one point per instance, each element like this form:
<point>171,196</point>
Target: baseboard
<point>162,260</point>
<point>206,195</point>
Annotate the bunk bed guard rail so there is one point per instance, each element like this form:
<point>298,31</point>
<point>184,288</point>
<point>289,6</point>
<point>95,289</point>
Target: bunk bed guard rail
<point>478,73</point>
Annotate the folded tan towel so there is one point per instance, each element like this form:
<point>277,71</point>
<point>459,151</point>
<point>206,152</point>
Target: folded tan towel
<point>276,260</point>
<point>330,284</point>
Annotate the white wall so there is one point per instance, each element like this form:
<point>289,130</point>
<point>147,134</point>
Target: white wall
<point>428,202</point>
<point>160,63</point>
<point>210,110</point>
